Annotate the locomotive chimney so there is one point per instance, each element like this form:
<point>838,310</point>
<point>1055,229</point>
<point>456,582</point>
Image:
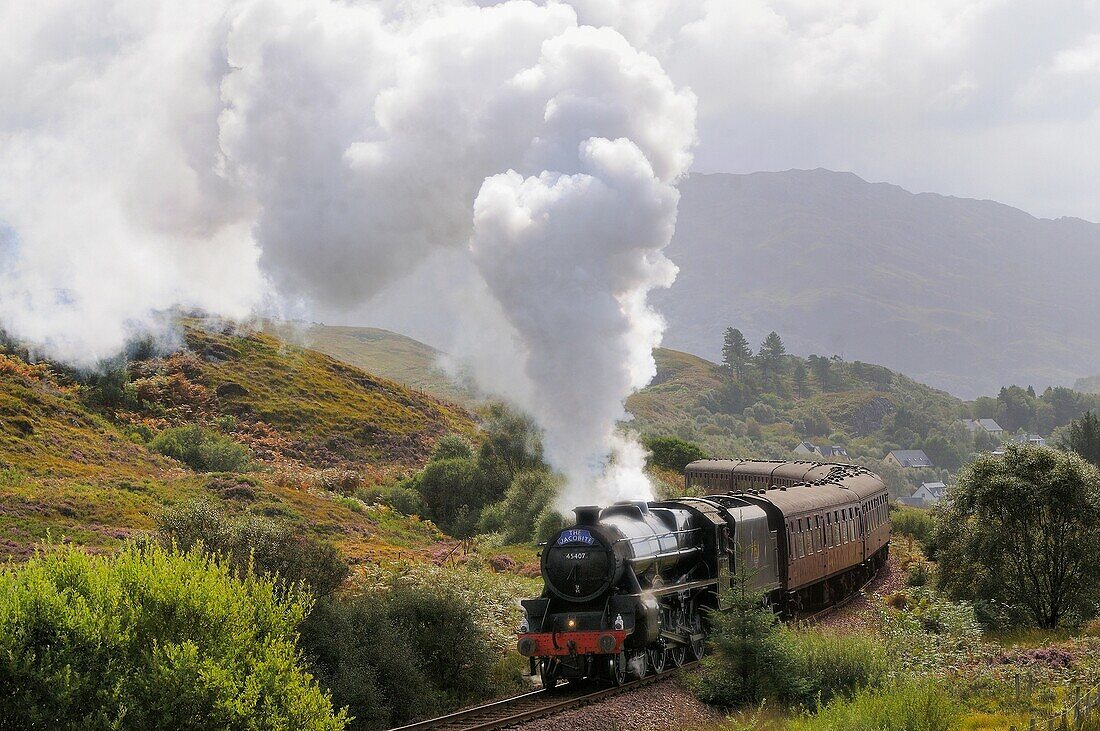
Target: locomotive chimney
<point>587,514</point>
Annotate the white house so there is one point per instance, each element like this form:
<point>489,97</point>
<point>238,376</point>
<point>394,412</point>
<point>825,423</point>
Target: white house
<point>1032,439</point>
<point>930,493</point>
<point>827,452</point>
<point>908,458</point>
<point>805,448</point>
<point>989,426</point>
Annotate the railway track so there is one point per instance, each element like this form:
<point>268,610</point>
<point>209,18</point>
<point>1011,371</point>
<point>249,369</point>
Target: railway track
<point>541,703</point>
<point>529,706</point>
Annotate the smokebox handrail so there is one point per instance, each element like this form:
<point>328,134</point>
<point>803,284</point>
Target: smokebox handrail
<point>656,536</point>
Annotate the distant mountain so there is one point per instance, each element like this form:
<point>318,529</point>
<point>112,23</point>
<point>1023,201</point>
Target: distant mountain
<point>965,295</point>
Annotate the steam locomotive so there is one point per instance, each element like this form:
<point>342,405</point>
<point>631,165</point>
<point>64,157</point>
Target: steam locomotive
<point>628,588</point>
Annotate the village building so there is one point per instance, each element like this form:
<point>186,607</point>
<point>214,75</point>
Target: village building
<point>826,452</point>
<point>914,458</point>
<point>989,426</point>
<point>930,493</point>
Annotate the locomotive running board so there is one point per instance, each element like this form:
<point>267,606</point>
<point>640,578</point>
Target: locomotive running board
<point>676,588</point>
<point>681,639</point>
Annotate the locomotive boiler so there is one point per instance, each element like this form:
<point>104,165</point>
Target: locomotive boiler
<point>628,588</point>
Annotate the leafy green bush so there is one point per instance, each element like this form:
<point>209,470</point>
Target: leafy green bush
<point>672,452</point>
<point>913,705</point>
<point>834,665</point>
<point>517,515</point>
<point>918,574</point>
<point>913,522</point>
<point>753,658</point>
<point>454,492</point>
<point>202,450</point>
<point>150,639</point>
<point>251,542</point>
<point>924,632</point>
<point>452,446</point>
<point>391,657</point>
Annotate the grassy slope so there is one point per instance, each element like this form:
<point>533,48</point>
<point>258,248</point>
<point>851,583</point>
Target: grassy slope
<point>681,401</point>
<point>79,473</point>
<point>388,354</point>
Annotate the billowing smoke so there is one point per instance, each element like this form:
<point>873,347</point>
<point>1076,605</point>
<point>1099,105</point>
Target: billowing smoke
<point>313,152</point>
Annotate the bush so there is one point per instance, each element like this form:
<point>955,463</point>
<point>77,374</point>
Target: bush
<point>454,494</point>
<point>672,452</point>
<point>202,450</point>
<point>150,639</point>
<point>391,657</point>
<point>834,665</point>
<point>918,574</point>
<point>754,659</point>
<point>914,705</point>
<point>516,517</point>
<point>452,446</point>
<point>913,522</point>
<point>254,543</point>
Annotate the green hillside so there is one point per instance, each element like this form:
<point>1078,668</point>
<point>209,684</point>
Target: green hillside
<point>865,408</point>
<point>388,354</point>
<point>77,462</point>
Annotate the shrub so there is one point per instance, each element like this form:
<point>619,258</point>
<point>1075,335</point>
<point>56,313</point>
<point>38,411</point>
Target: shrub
<point>150,639</point>
<point>256,543</point>
<point>391,657</point>
<point>913,705</point>
<point>753,660</point>
<point>516,517</point>
<point>202,450</point>
<point>918,574</point>
<point>452,446</point>
<point>453,494</point>
<point>672,452</point>
<point>834,665</point>
<point>913,522</point>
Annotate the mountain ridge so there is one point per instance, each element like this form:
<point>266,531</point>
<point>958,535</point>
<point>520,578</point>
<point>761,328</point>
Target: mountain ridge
<point>959,293</point>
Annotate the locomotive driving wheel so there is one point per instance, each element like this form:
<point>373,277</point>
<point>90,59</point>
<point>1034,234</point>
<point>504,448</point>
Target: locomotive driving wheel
<point>657,659</point>
<point>677,655</point>
<point>697,646</point>
<point>616,668</point>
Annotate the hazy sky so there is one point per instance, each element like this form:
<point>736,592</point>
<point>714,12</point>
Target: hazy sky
<point>989,99</point>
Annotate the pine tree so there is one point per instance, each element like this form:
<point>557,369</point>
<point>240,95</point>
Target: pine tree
<point>735,351</point>
<point>820,366</point>
<point>771,354</point>
<point>800,379</point>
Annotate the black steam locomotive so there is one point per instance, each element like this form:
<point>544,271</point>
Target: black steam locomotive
<point>628,588</point>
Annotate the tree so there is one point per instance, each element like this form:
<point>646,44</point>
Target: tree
<point>1083,437</point>
<point>942,452</point>
<point>673,453</point>
<point>820,365</point>
<point>736,352</point>
<point>752,659</point>
<point>771,354</point>
<point>800,384</point>
<point>513,442</point>
<point>1023,530</point>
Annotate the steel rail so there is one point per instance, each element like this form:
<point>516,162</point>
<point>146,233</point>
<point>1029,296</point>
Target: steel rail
<point>536,704</point>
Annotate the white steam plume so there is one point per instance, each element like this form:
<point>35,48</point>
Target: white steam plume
<point>331,148</point>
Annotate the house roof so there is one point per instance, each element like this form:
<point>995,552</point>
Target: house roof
<point>911,457</point>
<point>1027,439</point>
<point>807,445</point>
<point>936,488</point>
<point>832,451</point>
<point>988,424</point>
